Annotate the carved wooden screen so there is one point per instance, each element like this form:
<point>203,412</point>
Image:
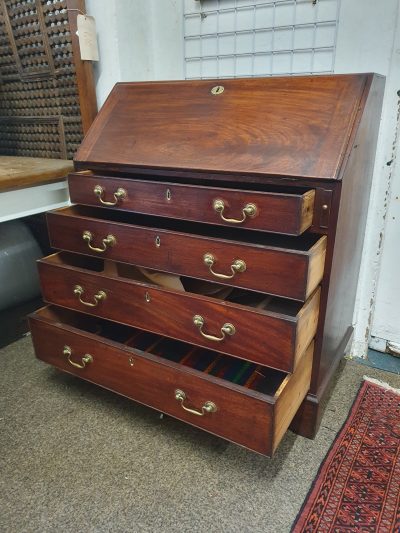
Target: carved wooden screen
<point>47,97</point>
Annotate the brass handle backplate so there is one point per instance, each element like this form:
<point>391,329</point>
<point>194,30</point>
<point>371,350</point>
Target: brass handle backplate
<point>226,329</point>
<point>119,195</point>
<point>98,297</point>
<point>207,407</point>
<point>86,359</point>
<point>249,210</point>
<point>110,240</point>
<point>237,266</point>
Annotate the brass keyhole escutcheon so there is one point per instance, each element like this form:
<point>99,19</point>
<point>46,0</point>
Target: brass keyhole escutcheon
<point>218,89</point>
<point>147,297</point>
<point>168,195</point>
<point>158,241</point>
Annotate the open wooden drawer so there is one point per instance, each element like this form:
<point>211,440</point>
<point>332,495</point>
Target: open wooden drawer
<point>286,212</point>
<point>242,402</point>
<point>290,267</point>
<point>264,329</point>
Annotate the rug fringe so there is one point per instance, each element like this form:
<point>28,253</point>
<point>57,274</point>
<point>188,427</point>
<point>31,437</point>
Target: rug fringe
<point>382,384</point>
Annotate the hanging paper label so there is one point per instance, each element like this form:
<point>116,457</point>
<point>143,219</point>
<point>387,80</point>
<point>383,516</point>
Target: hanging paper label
<point>87,38</point>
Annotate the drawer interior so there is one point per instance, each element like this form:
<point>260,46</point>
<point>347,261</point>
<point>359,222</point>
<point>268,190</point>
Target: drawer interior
<point>128,273</point>
<point>244,374</point>
<point>300,243</point>
<point>204,182</point>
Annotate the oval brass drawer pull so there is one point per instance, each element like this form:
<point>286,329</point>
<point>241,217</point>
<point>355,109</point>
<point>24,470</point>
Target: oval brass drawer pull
<point>110,240</point>
<point>249,210</point>
<point>237,266</point>
<point>98,297</point>
<point>119,195</point>
<point>226,329</point>
<point>86,359</point>
<point>207,407</point>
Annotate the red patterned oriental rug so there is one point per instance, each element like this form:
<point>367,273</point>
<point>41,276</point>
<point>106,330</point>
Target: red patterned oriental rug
<point>357,488</point>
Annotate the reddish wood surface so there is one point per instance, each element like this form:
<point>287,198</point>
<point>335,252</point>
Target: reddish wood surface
<point>317,128</point>
<point>344,252</point>
<point>265,337</point>
<point>242,416</point>
<point>272,270</point>
<point>350,231</point>
<point>276,212</point>
<point>295,126</point>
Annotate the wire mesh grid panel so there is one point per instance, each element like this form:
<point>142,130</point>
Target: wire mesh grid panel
<point>229,38</point>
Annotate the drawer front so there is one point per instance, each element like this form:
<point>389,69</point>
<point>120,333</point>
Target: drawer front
<point>238,418</point>
<point>251,419</point>
<point>290,214</point>
<point>276,341</point>
<point>285,273</point>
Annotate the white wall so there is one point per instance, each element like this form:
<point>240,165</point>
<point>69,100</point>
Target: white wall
<point>368,41</point>
<point>386,316</point>
<point>138,40</point>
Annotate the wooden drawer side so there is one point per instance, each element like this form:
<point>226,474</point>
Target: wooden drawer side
<point>291,395</point>
<point>316,265</point>
<point>307,323</point>
<point>306,211</point>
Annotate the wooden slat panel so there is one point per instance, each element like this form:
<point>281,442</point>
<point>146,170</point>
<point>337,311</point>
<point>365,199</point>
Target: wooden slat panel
<point>41,80</point>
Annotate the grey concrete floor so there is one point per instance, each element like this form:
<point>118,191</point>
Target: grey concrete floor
<point>76,458</point>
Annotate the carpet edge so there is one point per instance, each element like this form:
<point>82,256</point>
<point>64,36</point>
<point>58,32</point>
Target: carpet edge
<point>353,407</point>
<point>381,384</point>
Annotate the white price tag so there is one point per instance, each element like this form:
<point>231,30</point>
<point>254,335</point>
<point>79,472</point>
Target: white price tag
<point>87,38</point>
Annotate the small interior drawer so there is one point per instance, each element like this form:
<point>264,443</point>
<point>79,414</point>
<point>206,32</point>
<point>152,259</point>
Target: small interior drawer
<point>263,329</point>
<point>278,212</point>
<point>245,403</point>
<point>291,267</point>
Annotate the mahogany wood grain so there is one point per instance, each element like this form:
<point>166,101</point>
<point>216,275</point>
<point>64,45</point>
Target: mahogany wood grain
<point>343,256</point>
<point>280,135</point>
<point>267,337</point>
<point>243,416</point>
<point>290,214</point>
<point>350,231</point>
<point>289,399</point>
<point>273,270</point>
<point>295,126</point>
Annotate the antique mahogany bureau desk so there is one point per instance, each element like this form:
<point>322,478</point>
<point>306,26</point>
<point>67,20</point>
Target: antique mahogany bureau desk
<point>209,267</point>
